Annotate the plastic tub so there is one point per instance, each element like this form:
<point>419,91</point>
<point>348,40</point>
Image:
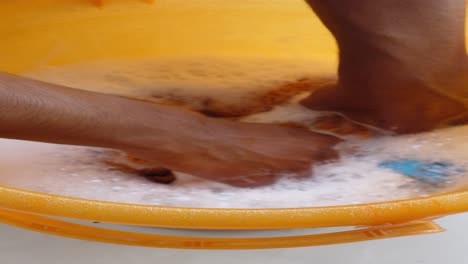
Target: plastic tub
<point>52,32</point>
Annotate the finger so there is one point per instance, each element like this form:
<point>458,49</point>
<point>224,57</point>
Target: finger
<point>158,175</point>
<point>326,155</point>
<point>324,99</point>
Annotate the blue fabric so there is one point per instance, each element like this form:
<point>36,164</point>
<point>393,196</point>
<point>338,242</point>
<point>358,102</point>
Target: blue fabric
<point>422,169</point>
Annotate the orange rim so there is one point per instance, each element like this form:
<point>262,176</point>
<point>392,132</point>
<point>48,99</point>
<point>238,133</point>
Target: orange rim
<point>84,232</point>
<point>374,214</point>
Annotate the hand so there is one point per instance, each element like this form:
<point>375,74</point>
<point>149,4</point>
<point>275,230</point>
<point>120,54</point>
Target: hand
<point>239,154</point>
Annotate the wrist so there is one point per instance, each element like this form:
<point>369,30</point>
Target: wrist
<point>143,125</point>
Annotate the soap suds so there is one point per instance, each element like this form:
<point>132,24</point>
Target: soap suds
<point>227,87</point>
<point>354,179</point>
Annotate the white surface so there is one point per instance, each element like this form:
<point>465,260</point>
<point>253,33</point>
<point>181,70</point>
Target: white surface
<point>19,246</point>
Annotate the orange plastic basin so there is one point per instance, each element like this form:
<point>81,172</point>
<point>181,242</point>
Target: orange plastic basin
<point>56,32</point>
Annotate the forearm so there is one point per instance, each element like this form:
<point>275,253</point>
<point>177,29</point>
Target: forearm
<point>37,111</point>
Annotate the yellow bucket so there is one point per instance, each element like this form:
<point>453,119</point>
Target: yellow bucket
<point>53,32</point>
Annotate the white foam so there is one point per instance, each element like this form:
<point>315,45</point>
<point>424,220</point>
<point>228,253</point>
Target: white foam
<point>355,178</point>
<point>196,78</point>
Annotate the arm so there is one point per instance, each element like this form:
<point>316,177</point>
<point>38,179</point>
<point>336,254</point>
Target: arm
<point>37,111</point>
<point>236,153</point>
<point>402,63</point>
<point>425,36</point>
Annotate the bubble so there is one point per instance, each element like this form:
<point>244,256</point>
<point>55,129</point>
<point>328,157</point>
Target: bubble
<point>355,178</point>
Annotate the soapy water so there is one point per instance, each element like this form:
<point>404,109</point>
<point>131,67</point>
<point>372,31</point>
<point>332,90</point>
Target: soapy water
<point>356,178</point>
<point>215,86</point>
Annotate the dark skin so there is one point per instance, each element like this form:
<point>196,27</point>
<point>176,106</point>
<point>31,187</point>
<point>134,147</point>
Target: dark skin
<point>403,63</point>
<point>235,153</point>
<point>386,79</point>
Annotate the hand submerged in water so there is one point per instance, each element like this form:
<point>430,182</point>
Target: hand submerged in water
<point>239,154</point>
